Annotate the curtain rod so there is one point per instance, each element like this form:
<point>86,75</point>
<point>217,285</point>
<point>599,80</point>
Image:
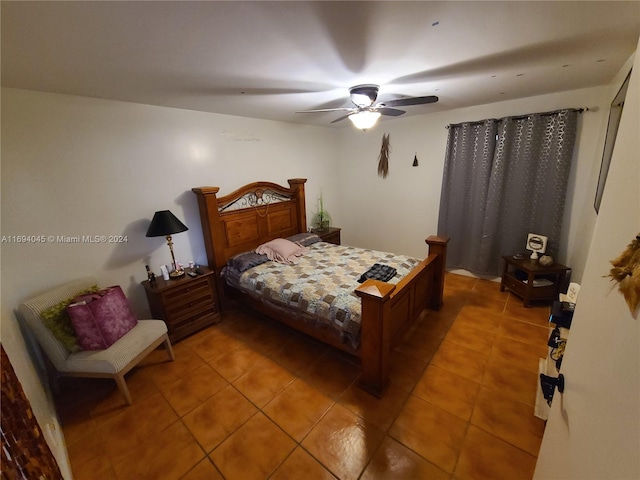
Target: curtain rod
<point>520,117</point>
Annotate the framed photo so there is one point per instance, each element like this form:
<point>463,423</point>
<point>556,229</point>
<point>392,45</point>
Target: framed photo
<point>537,244</point>
<point>615,113</point>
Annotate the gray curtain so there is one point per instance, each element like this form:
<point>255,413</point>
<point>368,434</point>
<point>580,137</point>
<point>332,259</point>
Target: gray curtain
<point>504,179</point>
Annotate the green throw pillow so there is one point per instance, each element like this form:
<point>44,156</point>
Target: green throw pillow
<point>57,320</point>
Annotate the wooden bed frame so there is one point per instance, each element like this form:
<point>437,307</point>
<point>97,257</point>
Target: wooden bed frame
<point>261,211</point>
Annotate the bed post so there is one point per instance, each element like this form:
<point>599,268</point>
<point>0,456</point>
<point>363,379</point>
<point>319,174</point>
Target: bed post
<point>208,207</point>
<point>438,246</point>
<point>375,341</point>
<point>297,185</point>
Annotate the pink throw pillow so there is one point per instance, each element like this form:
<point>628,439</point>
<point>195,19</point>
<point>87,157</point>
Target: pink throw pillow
<point>101,319</point>
<point>282,250</point>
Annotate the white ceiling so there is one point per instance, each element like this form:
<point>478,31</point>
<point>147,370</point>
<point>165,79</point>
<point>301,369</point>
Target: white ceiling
<point>270,59</point>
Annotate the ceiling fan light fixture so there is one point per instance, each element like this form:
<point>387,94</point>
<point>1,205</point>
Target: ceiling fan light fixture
<point>365,119</point>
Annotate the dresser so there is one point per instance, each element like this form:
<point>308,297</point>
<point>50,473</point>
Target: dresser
<point>329,235</point>
<point>187,304</point>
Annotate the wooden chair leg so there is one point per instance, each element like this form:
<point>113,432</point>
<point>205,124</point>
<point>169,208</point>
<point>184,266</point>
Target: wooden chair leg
<point>122,386</point>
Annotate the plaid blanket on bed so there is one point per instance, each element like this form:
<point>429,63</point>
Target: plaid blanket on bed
<point>378,272</point>
<point>321,286</point>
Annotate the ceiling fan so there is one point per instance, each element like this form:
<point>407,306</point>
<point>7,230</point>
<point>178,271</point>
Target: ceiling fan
<point>366,112</point>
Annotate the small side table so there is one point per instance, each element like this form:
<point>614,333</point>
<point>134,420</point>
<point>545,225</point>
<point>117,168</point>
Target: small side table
<point>186,305</point>
<point>532,281</point>
<point>329,234</point>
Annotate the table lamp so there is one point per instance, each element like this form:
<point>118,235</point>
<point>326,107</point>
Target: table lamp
<point>165,223</point>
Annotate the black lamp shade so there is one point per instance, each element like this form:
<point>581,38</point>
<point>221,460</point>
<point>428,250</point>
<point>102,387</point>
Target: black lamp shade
<point>165,223</point>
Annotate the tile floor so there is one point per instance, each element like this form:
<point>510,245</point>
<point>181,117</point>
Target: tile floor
<point>250,399</point>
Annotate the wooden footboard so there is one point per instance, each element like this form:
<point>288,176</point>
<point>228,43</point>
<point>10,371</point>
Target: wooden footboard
<point>388,310</point>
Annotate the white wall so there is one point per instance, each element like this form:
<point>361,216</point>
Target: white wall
<point>593,431</point>
<point>397,213</point>
<point>80,166</point>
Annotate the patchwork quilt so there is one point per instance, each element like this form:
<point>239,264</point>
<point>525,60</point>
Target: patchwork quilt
<point>321,285</point>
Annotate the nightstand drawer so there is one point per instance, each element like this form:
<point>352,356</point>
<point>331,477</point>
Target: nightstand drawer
<point>187,324</point>
<point>193,293</point>
<point>186,305</point>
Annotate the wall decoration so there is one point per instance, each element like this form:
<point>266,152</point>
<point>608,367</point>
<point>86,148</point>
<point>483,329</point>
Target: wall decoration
<point>615,113</point>
<point>626,272</point>
<point>383,159</point>
<point>415,160</point>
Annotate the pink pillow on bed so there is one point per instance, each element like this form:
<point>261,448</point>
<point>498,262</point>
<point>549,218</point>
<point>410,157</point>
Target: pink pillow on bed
<point>282,250</point>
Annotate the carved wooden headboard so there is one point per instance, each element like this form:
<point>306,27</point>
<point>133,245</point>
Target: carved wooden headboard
<point>249,216</point>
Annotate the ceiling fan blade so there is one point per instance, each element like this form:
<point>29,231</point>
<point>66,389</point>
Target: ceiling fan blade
<point>341,118</point>
<point>392,112</point>
<point>321,110</point>
<point>406,102</point>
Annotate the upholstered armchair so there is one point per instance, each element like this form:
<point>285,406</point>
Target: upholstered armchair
<point>112,362</point>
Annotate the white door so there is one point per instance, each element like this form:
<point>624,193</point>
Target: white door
<point>593,431</point>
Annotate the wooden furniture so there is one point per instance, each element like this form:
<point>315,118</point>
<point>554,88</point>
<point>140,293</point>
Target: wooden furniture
<point>113,362</point>
<point>329,234</point>
<point>532,281</point>
<point>187,304</point>
<point>262,211</point>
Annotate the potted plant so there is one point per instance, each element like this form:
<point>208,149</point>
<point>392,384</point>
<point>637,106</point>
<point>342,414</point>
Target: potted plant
<point>323,219</point>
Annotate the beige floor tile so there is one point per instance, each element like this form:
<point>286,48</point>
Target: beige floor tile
<point>253,451</point>
<point>87,457</point>
<point>331,374</point>
<point>165,373</point>
<point>299,353</point>
<point>537,314</point>
<point>394,461</point>
<point>193,389</point>
<point>170,453</point>
<point>432,432</point>
<point>421,344</point>
<point>301,465</point>
<point>218,417</point>
<point>297,408</point>
<point>263,381</point>
<point>518,354</point>
<point>478,317</point>
<point>509,420</point>
<point>448,391</point>
<point>470,337</point>
<point>485,457</point>
<point>510,381</point>
<point>405,370</point>
<point>211,342</point>
<point>461,282</point>
<point>137,424</point>
<point>460,360</point>
<point>490,304</point>
<point>232,364</point>
<point>205,470</point>
<point>515,329</point>
<point>343,442</point>
<point>380,412</point>
<point>490,289</point>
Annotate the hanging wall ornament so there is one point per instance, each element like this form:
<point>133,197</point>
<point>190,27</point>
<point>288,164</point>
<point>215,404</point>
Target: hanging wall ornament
<point>415,160</point>
<point>383,159</point>
<point>626,272</point>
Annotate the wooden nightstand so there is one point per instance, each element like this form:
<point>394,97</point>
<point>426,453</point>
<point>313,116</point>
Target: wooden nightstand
<point>329,234</point>
<point>186,305</point>
<point>532,281</point>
